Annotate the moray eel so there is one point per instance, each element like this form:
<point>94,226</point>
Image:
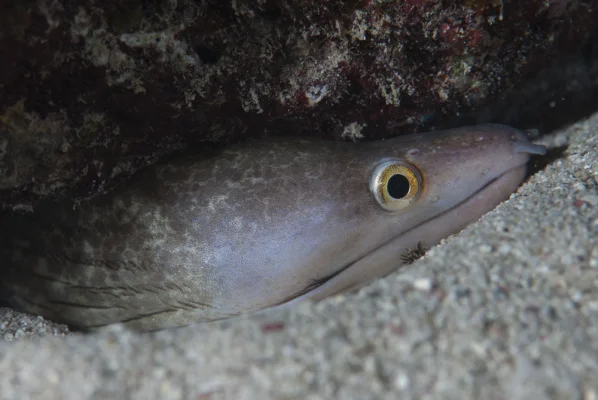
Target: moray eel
<point>261,224</point>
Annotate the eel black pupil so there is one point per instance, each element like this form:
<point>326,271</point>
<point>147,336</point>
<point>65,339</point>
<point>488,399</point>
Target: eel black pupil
<point>397,186</point>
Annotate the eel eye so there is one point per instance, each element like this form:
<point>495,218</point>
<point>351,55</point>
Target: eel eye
<point>396,185</point>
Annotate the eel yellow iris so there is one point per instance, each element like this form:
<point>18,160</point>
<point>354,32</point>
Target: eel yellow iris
<point>396,185</point>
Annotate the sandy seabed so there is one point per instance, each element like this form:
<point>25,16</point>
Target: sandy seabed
<point>507,309</point>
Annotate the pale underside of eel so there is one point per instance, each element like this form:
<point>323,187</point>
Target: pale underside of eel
<point>261,224</point>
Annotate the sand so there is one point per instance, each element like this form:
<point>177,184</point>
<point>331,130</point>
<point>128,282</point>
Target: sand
<point>507,309</point>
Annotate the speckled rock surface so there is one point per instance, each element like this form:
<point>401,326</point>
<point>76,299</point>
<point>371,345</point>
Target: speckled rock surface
<point>507,309</point>
<point>91,90</point>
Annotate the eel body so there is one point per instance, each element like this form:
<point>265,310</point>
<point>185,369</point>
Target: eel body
<point>261,224</point>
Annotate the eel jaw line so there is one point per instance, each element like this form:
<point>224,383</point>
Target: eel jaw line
<point>384,257</point>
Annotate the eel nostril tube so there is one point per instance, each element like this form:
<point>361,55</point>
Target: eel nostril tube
<point>530,148</point>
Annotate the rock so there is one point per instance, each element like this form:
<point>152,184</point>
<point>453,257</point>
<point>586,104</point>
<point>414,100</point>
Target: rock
<point>90,91</point>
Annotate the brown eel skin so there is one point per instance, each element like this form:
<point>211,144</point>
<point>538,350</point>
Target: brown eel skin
<point>261,224</point>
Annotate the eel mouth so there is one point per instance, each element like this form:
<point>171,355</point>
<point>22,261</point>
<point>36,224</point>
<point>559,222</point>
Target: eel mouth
<point>511,178</point>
